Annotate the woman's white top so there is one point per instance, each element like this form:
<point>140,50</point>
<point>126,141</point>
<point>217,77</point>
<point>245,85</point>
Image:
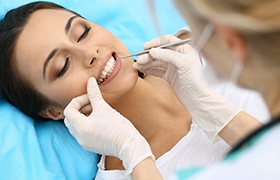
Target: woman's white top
<point>194,149</point>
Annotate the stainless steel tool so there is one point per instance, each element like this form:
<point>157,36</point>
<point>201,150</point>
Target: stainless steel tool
<point>176,43</point>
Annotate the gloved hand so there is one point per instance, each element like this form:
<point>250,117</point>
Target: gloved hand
<point>181,67</point>
<point>105,131</point>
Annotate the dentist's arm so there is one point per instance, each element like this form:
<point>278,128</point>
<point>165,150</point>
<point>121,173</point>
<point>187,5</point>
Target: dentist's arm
<point>182,69</point>
<point>105,131</point>
<point>146,169</point>
<point>238,128</point>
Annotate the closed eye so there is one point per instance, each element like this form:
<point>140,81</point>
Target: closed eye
<point>64,69</point>
<point>85,33</point>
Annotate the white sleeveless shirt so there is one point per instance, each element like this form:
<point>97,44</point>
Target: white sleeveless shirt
<point>194,149</point>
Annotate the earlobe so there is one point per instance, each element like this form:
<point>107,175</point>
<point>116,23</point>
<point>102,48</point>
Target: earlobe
<point>52,113</point>
<point>234,41</point>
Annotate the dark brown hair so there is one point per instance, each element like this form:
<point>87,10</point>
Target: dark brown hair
<point>14,88</point>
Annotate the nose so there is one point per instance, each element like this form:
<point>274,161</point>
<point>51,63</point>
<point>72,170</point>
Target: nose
<point>85,55</point>
<point>91,61</point>
<point>90,56</point>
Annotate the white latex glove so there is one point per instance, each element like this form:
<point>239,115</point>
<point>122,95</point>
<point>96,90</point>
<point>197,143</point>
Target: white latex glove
<point>105,131</point>
<point>181,67</point>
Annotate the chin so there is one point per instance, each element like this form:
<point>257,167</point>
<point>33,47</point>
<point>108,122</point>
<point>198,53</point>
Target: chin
<point>122,85</point>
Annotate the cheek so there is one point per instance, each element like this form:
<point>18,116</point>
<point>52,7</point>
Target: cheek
<point>69,89</point>
<point>219,60</point>
<point>215,62</point>
<point>110,39</point>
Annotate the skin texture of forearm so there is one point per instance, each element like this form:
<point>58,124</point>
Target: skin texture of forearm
<point>240,126</point>
<point>146,169</point>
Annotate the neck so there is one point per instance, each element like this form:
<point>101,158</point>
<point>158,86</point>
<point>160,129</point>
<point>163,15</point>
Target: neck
<point>156,112</point>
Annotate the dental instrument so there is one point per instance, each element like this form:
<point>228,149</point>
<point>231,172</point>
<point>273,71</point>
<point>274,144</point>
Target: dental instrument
<point>176,43</point>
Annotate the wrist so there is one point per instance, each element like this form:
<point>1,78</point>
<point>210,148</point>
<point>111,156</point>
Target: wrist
<point>238,128</point>
<point>134,151</point>
<point>211,112</point>
<point>146,169</point>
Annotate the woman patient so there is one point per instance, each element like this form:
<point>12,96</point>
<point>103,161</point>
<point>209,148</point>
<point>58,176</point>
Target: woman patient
<point>48,54</point>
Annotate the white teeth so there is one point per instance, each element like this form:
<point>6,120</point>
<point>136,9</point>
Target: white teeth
<point>104,73</point>
<point>107,70</point>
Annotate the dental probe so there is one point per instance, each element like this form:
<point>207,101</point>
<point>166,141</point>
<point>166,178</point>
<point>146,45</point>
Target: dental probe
<point>176,43</point>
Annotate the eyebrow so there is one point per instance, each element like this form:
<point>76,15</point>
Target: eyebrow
<point>51,55</point>
<point>68,24</point>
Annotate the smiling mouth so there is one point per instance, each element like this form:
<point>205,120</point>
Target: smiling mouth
<point>108,69</point>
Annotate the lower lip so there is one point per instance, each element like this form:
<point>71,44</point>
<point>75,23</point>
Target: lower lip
<point>113,74</point>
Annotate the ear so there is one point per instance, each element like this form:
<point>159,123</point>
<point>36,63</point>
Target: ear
<point>234,41</point>
<point>54,113</point>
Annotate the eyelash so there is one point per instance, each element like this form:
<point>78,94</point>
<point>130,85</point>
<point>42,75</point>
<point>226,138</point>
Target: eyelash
<point>85,33</point>
<point>64,69</point>
<point>66,65</point>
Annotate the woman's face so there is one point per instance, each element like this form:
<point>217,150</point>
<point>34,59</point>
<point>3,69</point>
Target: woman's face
<point>57,52</point>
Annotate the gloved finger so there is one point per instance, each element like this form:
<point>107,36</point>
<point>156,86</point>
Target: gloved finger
<point>160,41</point>
<point>75,105</point>
<point>169,56</point>
<point>156,68</point>
<point>144,59</point>
<point>71,128</point>
<point>86,110</point>
<point>141,67</point>
<point>159,72</point>
<point>191,53</point>
<point>72,111</point>
<point>93,91</point>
